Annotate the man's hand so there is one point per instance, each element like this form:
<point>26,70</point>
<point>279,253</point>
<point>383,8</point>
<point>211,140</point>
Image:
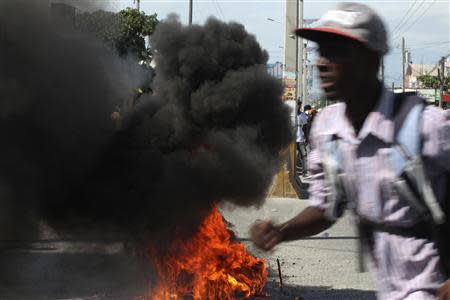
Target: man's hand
<point>265,235</point>
<point>309,222</point>
<point>444,291</point>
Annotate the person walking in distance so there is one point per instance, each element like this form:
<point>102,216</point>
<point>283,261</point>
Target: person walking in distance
<point>301,121</point>
<point>384,156</point>
<point>307,127</point>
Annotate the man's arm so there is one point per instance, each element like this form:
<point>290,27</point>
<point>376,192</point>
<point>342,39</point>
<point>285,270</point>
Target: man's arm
<point>444,291</point>
<point>436,150</point>
<point>436,133</point>
<point>304,118</point>
<point>309,222</point>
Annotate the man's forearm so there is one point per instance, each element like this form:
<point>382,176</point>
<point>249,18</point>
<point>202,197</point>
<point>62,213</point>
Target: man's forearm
<point>310,221</point>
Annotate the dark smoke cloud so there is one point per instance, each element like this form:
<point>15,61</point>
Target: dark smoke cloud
<point>58,88</point>
<point>212,130</point>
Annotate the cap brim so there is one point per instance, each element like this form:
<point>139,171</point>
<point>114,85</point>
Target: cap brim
<point>320,34</point>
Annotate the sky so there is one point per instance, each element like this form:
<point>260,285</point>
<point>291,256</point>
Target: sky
<point>425,24</point>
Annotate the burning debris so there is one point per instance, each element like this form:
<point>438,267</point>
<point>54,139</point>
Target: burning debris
<point>212,129</point>
<point>207,266</point>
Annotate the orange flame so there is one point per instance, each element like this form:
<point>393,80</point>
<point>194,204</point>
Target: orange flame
<point>209,266</point>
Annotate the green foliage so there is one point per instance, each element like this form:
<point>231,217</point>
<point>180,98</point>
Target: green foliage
<point>136,25</point>
<point>125,31</point>
<point>432,82</point>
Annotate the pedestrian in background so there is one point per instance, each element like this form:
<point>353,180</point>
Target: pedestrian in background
<point>307,127</point>
<point>301,121</point>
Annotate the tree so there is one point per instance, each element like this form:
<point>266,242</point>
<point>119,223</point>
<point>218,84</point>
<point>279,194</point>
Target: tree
<point>432,82</point>
<point>125,30</point>
<point>136,25</point>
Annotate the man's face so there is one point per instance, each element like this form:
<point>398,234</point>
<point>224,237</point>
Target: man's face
<point>343,66</point>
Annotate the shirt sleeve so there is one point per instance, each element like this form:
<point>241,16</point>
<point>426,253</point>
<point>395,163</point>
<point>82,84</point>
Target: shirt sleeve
<point>304,119</point>
<point>318,188</point>
<point>436,137</point>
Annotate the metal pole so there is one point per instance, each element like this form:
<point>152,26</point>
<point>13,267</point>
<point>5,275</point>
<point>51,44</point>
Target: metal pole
<point>190,11</point>
<point>403,63</point>
<point>297,25</point>
<point>304,75</point>
<point>138,4</point>
<point>291,46</point>
<point>442,80</point>
<point>300,53</point>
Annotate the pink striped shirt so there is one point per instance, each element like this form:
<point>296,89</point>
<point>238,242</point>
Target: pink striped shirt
<point>405,268</point>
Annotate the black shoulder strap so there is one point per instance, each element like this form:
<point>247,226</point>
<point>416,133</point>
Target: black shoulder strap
<point>403,103</point>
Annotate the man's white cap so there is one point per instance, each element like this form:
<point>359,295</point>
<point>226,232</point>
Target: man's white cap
<point>350,21</point>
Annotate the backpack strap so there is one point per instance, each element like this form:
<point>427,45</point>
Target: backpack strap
<point>332,164</point>
<point>407,113</point>
<point>412,182</point>
<point>403,103</point>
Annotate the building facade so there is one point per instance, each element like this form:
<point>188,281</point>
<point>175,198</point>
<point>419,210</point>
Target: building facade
<point>275,69</point>
<point>413,71</point>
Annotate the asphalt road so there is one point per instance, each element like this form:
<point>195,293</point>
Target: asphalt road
<point>321,267</point>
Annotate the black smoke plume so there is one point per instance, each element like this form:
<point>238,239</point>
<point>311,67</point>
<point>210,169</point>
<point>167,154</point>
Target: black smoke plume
<point>211,131</point>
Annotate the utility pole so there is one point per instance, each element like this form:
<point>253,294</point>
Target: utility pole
<point>403,63</point>
<point>290,63</point>
<point>441,79</point>
<point>300,49</point>
<point>138,4</point>
<point>304,74</point>
<point>190,11</point>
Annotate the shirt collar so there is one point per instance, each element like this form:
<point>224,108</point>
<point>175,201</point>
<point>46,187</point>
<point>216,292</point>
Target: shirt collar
<point>378,123</point>
<point>338,125</point>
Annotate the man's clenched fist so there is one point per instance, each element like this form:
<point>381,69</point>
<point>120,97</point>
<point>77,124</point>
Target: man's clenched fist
<point>265,235</point>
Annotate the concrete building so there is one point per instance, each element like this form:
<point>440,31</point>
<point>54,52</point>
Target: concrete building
<point>64,11</point>
<point>81,6</point>
<point>275,69</point>
<point>413,71</point>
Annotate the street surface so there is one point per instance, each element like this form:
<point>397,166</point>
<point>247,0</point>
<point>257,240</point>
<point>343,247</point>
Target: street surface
<point>321,267</point>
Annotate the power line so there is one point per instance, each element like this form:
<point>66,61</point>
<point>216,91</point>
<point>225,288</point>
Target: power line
<point>421,46</point>
<point>201,11</point>
<point>437,65</point>
<point>217,8</point>
<point>408,16</point>
<point>430,43</point>
<point>220,10</point>
<point>404,17</point>
<point>430,46</point>
<point>397,35</point>
<point>424,47</point>
<point>417,19</point>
